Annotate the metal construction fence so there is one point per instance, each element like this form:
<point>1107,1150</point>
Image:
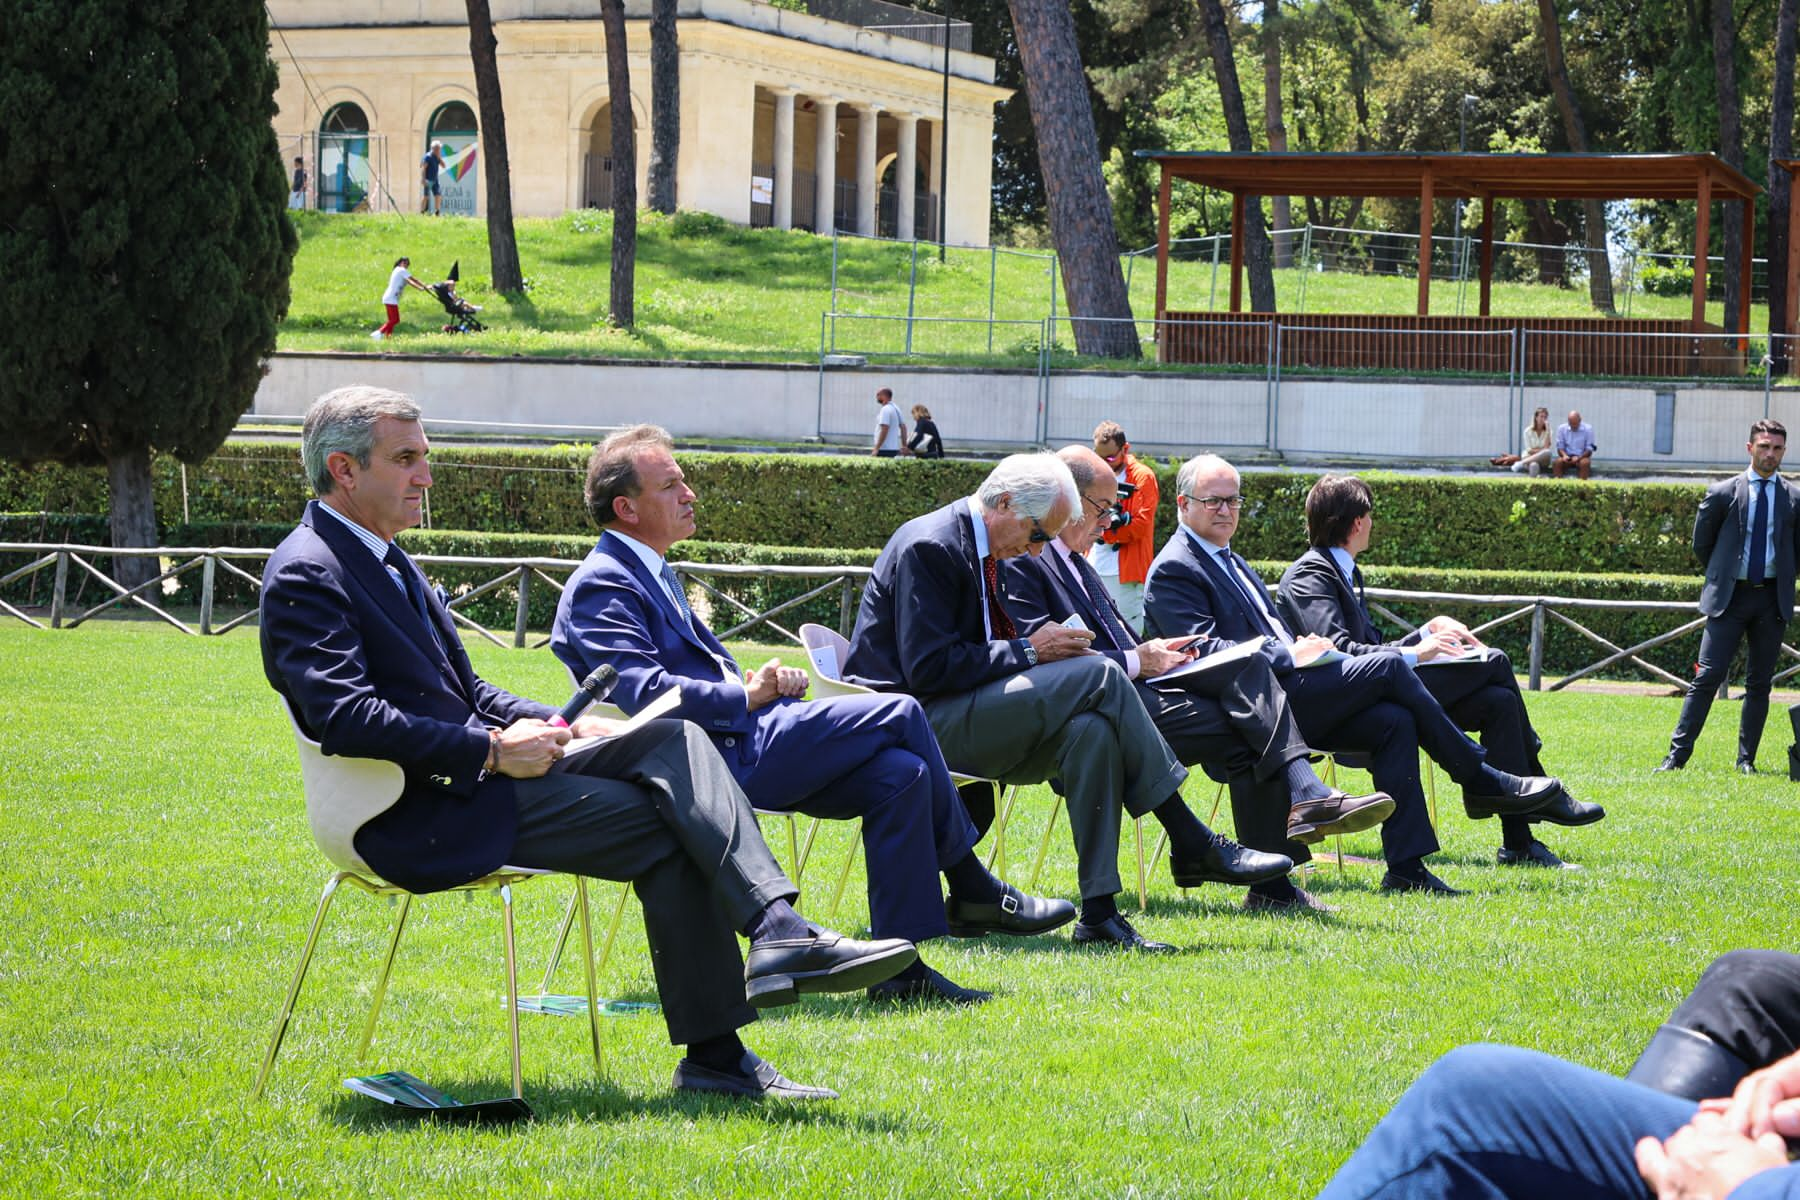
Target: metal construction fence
<point>828,594</point>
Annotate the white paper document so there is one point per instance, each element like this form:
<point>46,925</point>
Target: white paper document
<point>1479,654</point>
<point>1330,656</point>
<point>824,661</point>
<point>1210,662</point>
<point>662,706</point>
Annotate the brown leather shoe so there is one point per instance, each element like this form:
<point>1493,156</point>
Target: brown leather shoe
<point>1312,821</point>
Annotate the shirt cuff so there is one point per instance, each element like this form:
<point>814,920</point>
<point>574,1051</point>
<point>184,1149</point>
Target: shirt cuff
<point>1133,665</point>
<point>1410,654</point>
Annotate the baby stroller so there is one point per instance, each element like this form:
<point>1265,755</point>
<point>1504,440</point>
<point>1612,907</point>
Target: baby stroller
<point>462,313</point>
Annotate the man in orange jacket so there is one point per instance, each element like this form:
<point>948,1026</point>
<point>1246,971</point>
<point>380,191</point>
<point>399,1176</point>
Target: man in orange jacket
<point>1122,555</point>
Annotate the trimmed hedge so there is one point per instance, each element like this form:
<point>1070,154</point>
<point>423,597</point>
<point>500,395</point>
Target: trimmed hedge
<point>1461,523</point>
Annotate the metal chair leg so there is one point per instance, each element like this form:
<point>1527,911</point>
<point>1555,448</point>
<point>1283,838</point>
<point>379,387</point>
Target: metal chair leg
<point>293,994</point>
<point>997,856</point>
<point>612,927</point>
<point>387,968</point>
<point>1430,790</point>
<point>1143,892</point>
<point>1218,799</point>
<point>593,990</point>
<point>512,990</point>
<point>837,895</point>
<point>1044,844</point>
<point>812,831</point>
<point>562,936</point>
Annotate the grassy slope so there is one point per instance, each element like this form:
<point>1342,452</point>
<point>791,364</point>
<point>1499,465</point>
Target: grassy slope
<point>725,292</point>
<point>159,879</point>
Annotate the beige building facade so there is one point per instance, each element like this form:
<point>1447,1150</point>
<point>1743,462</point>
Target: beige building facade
<point>787,118</point>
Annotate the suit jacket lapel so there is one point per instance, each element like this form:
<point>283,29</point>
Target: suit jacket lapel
<point>1224,586</point>
<point>653,586</point>
<point>1352,602</point>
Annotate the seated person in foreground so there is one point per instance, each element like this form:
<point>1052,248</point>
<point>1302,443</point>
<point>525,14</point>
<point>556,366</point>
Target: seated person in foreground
<point>1322,593</point>
<point>1233,719</point>
<point>1495,1121</point>
<point>1371,704</point>
<point>872,757</point>
<point>367,657</point>
<point>933,623</point>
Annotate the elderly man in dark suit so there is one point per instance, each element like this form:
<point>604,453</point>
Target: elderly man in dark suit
<point>1746,534</point>
<point>367,656</point>
<point>1322,593</point>
<point>1233,720</point>
<point>872,757</point>
<point>1372,704</point>
<point>933,623</point>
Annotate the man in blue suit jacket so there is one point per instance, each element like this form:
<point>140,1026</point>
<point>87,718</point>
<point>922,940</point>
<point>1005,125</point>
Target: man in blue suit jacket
<point>1373,703</point>
<point>367,658</point>
<point>1746,534</point>
<point>933,622</point>
<point>872,757</point>
<point>1233,719</point>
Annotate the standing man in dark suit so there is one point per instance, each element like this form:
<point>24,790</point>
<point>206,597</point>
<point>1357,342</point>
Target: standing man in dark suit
<point>933,623</point>
<point>872,757</point>
<point>1322,593</point>
<point>1745,534</point>
<point>1371,704</point>
<point>370,663</point>
<point>1233,720</point>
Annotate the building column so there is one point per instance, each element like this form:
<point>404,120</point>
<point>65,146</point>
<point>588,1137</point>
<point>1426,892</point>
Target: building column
<point>905,167</point>
<point>868,115</point>
<point>784,158</point>
<point>825,166</point>
<point>935,183</point>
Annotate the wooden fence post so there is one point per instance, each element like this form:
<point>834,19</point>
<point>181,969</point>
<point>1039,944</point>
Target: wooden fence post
<point>208,570</point>
<point>1536,681</point>
<point>59,593</point>
<point>524,615</point>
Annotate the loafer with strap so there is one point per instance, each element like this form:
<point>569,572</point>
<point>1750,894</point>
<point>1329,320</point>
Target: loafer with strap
<point>1014,913</point>
<point>780,970</point>
<point>1312,821</point>
<point>754,1079</point>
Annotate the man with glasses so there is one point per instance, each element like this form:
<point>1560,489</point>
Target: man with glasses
<point>1233,719</point>
<point>1024,709</point>
<point>1122,552</point>
<point>1372,703</point>
<point>1322,593</point>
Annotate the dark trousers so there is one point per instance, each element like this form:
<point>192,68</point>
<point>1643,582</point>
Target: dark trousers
<point>1747,1001</point>
<point>1751,613</point>
<point>873,757</point>
<point>1489,1122</point>
<point>1484,697</point>
<point>1374,704</point>
<point>659,808</point>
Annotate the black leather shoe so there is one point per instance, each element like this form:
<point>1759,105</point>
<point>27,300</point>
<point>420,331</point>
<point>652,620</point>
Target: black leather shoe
<point>1014,912</point>
<point>1746,766</point>
<point>1302,902</point>
<point>1312,821</point>
<point>1671,763</point>
<point>753,1080</point>
<point>1117,931</point>
<point>1567,810</point>
<point>1534,793</point>
<point>1224,861</point>
<point>933,988</point>
<point>1537,855</point>
<point>1431,885</point>
<point>780,970</point>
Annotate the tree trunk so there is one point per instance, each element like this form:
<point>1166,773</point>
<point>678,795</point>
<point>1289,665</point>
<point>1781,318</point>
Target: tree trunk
<point>1548,235</point>
<point>1081,220</point>
<point>503,247</point>
<point>1731,149</point>
<point>665,105</point>
<point>1272,123</point>
<point>132,511</point>
<point>1593,211</point>
<point>624,174</point>
<point>1781,145</point>
<point>1237,125</point>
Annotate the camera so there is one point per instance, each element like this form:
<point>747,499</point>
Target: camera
<point>1116,517</point>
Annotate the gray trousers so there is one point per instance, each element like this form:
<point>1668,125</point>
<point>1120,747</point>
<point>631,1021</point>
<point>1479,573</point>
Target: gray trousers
<point>659,808</point>
<point>1080,721</point>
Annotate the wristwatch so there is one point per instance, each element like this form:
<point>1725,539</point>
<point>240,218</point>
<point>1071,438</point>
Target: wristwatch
<point>1030,652</point>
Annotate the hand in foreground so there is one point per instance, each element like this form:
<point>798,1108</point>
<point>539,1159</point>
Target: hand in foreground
<point>1309,648</point>
<point>1447,624</point>
<point>1445,643</point>
<point>1706,1159</point>
<point>772,681</point>
<point>1054,642</point>
<point>1767,1100</point>
<point>529,748</point>
<point>1156,656</point>
<point>591,726</point>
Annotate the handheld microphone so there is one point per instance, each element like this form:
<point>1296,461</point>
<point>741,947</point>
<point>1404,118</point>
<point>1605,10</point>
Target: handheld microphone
<point>595,687</point>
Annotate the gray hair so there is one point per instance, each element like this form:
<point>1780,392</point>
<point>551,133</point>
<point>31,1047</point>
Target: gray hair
<point>612,468</point>
<point>1193,468</point>
<point>343,422</point>
<point>1034,481</point>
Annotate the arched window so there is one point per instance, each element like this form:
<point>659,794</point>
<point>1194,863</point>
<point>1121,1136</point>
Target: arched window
<point>453,125</point>
<point>344,177</point>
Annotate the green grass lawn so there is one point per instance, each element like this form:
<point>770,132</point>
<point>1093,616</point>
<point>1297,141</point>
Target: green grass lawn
<point>159,878</point>
<point>709,290</point>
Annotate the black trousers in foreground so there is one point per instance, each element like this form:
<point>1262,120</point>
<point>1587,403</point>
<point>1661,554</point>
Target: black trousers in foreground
<point>659,807</point>
<point>1747,1001</point>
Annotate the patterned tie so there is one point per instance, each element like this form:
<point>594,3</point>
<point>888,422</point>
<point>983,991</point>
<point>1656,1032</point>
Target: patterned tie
<point>1759,534</point>
<point>1256,595</point>
<point>1001,623</point>
<point>1369,633</point>
<point>409,583</point>
<point>677,595</point>
<point>1089,580</point>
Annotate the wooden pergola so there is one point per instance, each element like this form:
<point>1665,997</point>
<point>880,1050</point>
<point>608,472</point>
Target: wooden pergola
<point>1792,167</point>
<point>1702,178</point>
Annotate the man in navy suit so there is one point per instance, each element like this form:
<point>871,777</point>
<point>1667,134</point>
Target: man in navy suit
<point>1322,593</point>
<point>1373,703</point>
<point>871,757</point>
<point>933,623</point>
<point>1233,719</point>
<point>367,658</point>
<point>1746,535</point>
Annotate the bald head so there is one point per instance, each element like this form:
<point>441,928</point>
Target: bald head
<point>1099,489</point>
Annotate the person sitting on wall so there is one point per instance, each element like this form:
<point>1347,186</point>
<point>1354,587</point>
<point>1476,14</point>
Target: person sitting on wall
<point>1574,447</point>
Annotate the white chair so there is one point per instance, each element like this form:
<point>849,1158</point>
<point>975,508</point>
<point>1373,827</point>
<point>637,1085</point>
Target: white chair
<point>344,794</point>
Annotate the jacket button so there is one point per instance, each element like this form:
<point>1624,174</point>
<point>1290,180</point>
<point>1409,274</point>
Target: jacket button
<point>441,780</point>
<point>730,741</point>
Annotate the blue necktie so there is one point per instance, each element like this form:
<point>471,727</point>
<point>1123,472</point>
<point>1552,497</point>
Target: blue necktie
<point>1238,571</point>
<point>1759,534</point>
<point>680,597</point>
<point>410,584</point>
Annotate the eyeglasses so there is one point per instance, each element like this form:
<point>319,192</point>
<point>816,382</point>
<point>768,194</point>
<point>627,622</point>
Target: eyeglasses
<point>1038,535</point>
<point>1218,503</point>
<point>1100,508</point>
